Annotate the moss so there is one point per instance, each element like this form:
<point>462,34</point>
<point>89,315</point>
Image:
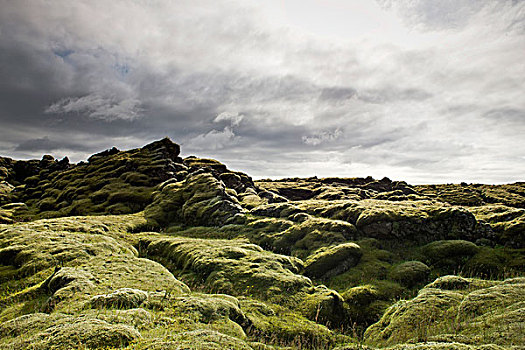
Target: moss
<point>124,298</point>
<point>88,333</point>
<point>471,310</point>
<point>200,200</point>
<point>47,204</point>
<point>373,268</point>
<point>445,346</point>
<point>59,331</point>
<point>119,209</point>
<point>275,210</point>
<point>200,339</point>
<point>418,318</point>
<point>328,262</point>
<point>303,235</point>
<point>276,325</point>
<point>129,196</point>
<point>421,221</point>
<point>410,273</point>
<point>508,223</point>
<point>136,179</point>
<point>449,253</point>
<point>93,263</point>
<point>324,306</point>
<point>119,177</point>
<point>95,272</point>
<point>250,200</point>
<point>227,266</point>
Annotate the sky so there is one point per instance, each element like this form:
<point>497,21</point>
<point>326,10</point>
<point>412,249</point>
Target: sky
<point>425,91</point>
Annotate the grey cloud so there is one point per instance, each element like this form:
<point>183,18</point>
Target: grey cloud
<point>436,15</point>
<point>257,96</point>
<point>507,114</point>
<point>391,94</point>
<point>337,93</point>
<point>97,107</point>
<point>322,137</point>
<point>45,144</point>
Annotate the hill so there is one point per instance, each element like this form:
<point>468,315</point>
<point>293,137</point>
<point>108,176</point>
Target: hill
<point>141,249</point>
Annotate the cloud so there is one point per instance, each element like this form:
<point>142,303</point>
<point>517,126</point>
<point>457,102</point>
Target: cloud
<point>418,88</point>
<point>436,15</point>
<point>97,107</point>
<point>322,137</point>
<point>392,94</point>
<point>506,114</point>
<point>45,144</point>
<point>213,140</point>
<point>234,118</point>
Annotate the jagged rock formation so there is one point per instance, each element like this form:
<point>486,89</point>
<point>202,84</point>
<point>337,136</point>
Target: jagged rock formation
<point>142,249</point>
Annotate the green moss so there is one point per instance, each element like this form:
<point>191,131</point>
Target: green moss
<point>508,223</point>
<point>124,298</point>
<point>200,200</point>
<point>331,261</point>
<point>449,253</point>
<point>473,310</point>
<point>136,179</point>
<point>71,332</point>
<point>419,221</point>
<point>227,266</point>
<point>276,325</point>
<point>410,273</point>
<point>365,304</point>
<point>373,267</point>
<point>200,339</point>
<point>324,306</point>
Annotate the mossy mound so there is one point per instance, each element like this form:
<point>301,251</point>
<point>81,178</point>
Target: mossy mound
<point>335,188</point>
<point>6,190</point>
<point>50,265</point>
<point>419,221</point>
<point>42,331</point>
<point>331,261</point>
<point>115,299</point>
<point>449,253</point>
<point>512,195</point>
<point>112,182</point>
<point>11,211</point>
<point>365,305</point>
<point>240,268</point>
<point>201,199</point>
<point>477,311</point>
<point>124,298</point>
<point>300,234</point>
<point>410,273</point>
<point>508,223</point>
<point>107,281</point>
<point>200,339</point>
<point>227,266</point>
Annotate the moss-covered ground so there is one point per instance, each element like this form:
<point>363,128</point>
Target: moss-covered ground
<point>142,249</point>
